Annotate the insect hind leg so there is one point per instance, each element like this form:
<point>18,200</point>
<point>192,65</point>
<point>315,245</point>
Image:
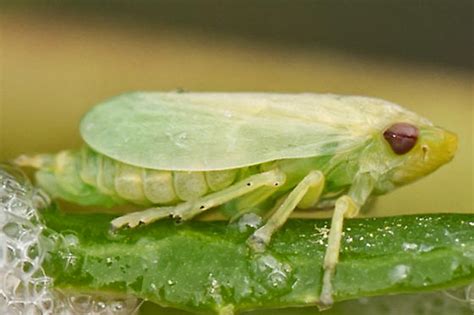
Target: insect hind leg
<point>189,209</point>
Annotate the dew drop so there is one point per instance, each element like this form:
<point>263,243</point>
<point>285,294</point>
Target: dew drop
<point>251,220</point>
<point>117,306</point>
<point>109,261</point>
<point>399,273</point>
<point>276,273</point>
<point>409,246</point>
<point>70,240</point>
<point>99,306</point>
<point>81,303</point>
<point>425,248</point>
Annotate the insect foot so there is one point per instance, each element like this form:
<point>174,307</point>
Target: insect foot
<point>130,220</point>
<point>147,216</point>
<point>326,301</point>
<point>257,242</point>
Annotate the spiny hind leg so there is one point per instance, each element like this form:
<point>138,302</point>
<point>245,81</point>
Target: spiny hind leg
<point>345,208</point>
<point>307,193</point>
<point>189,209</point>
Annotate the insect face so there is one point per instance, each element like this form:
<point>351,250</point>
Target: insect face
<point>422,150</point>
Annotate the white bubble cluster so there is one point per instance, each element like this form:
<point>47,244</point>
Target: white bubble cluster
<point>24,286</point>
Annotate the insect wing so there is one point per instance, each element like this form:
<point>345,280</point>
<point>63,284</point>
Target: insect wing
<point>215,131</point>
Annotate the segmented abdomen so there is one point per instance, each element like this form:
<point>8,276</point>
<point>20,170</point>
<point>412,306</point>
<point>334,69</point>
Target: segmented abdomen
<point>147,186</point>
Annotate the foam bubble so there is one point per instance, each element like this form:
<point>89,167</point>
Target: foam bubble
<point>24,287</point>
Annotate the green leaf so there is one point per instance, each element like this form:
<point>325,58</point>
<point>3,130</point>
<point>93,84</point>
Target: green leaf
<point>206,266</point>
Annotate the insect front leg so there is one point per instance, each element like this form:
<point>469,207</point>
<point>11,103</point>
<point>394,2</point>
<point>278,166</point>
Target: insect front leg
<point>307,193</point>
<point>189,209</point>
<point>346,206</point>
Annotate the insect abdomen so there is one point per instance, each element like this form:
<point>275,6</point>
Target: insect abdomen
<point>147,186</point>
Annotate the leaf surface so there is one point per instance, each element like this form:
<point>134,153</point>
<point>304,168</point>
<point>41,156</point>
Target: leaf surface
<point>206,266</point>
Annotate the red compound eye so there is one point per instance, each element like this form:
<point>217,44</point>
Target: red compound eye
<point>402,137</point>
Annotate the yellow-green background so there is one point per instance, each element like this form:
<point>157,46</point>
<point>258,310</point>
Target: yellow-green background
<point>56,61</point>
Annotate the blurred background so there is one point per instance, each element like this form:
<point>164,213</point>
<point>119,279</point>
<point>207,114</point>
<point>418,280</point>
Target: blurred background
<point>59,58</point>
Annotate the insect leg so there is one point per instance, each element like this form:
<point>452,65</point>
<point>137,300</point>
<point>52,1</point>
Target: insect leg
<point>311,185</point>
<point>37,161</point>
<point>247,203</point>
<point>189,209</point>
<point>345,208</point>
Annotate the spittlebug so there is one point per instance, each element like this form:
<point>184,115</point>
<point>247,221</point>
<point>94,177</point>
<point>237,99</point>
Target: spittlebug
<point>181,154</point>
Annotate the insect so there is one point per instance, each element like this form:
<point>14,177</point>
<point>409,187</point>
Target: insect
<point>181,154</point>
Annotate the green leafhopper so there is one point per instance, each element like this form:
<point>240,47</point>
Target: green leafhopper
<point>181,154</point>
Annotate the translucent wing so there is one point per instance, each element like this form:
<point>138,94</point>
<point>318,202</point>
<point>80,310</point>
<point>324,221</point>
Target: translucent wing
<point>214,131</point>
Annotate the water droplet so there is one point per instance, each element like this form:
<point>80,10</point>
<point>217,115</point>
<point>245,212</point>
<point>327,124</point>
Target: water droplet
<point>108,261</point>
<point>425,248</point>
<point>70,240</point>
<point>275,272</point>
<point>454,265</point>
<point>399,273</point>
<point>99,306</point>
<point>117,306</point>
<point>409,246</point>
<point>427,281</point>
<point>81,303</point>
<point>249,220</point>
